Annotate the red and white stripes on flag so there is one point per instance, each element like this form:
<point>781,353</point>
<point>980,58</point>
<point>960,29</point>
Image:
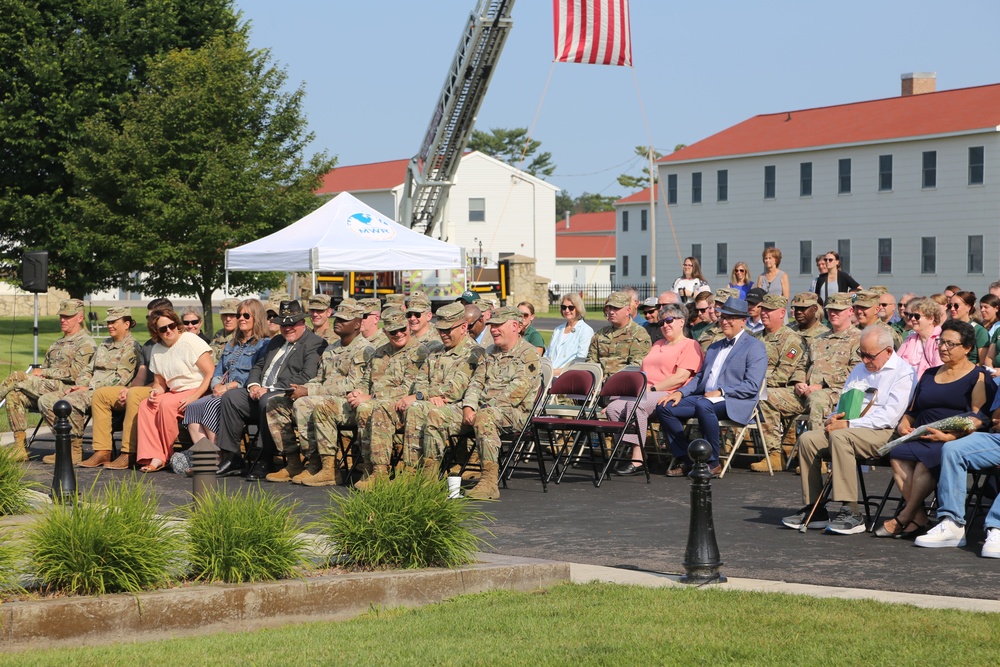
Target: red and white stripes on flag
<point>592,31</point>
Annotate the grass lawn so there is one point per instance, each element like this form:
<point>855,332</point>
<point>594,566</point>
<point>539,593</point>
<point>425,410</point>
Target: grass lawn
<point>593,624</point>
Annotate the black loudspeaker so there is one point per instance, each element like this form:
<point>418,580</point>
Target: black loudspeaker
<point>35,272</point>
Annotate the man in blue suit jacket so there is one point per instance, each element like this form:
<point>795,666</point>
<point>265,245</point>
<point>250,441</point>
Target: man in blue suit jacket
<point>726,387</point>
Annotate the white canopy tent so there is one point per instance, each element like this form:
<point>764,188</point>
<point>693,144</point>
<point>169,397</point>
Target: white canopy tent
<point>345,234</point>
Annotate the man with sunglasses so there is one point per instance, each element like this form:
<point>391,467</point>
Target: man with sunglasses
<point>902,325</point>
<point>623,342</point>
<point>419,315</point>
<point>651,316</point>
<point>805,313</point>
<point>369,323</point>
<point>866,311</point>
<point>891,381</point>
<point>319,315</point>
<point>704,306</point>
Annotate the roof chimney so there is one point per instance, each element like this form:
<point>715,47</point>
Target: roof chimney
<point>567,219</point>
<point>918,83</point>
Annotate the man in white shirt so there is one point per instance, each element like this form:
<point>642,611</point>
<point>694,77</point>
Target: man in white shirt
<point>892,380</point>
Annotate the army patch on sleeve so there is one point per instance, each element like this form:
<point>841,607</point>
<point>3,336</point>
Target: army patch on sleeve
<point>792,353</point>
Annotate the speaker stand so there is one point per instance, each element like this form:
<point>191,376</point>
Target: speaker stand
<point>35,331</point>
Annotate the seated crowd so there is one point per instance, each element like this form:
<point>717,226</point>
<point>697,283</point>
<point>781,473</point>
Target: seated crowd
<point>403,379</point>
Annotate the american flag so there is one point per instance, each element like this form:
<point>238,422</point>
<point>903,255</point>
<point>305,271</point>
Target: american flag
<point>592,31</point>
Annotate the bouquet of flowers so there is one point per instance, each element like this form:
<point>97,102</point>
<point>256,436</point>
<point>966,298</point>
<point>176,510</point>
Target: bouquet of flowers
<point>960,425</point>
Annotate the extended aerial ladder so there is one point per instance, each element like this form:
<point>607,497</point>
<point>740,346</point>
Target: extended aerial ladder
<point>430,172</point>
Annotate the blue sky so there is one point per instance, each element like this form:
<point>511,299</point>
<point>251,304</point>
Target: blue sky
<point>373,69</point>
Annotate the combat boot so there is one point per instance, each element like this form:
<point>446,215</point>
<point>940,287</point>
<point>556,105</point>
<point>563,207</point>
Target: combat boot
<point>293,466</point>
<point>76,445</point>
<point>312,466</point>
<point>761,466</point>
<point>19,450</point>
<point>487,488</point>
<point>475,463</point>
<point>329,475</point>
<point>378,472</point>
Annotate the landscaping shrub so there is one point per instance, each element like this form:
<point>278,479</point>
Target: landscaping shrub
<point>9,555</point>
<point>13,484</point>
<point>407,522</point>
<point>111,541</point>
<point>243,538</point>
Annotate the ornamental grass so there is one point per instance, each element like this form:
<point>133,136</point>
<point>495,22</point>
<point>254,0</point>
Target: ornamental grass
<point>14,484</point>
<point>408,522</point>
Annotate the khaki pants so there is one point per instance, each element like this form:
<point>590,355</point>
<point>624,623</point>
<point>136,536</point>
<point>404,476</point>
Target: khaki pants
<point>845,445</point>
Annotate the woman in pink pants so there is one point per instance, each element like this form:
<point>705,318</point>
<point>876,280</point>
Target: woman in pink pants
<point>182,366</point>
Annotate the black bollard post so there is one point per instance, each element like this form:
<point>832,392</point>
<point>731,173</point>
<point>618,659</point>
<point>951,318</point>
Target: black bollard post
<point>64,476</point>
<point>204,461</point>
<point>701,558</point>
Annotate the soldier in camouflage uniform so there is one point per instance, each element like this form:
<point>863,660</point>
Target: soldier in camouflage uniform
<point>320,407</point>
<point>866,310</point>
<point>786,357</point>
<point>369,324</point>
<point>623,342</point>
<point>438,391</point>
<point>714,331</point>
<point>418,314</point>
<point>114,364</point>
<point>319,315</point>
<point>805,310</point>
<point>387,378</point>
<point>65,360</point>
<point>500,395</point>
<point>229,316</point>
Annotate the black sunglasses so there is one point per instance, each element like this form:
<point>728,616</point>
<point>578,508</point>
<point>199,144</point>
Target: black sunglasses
<point>668,320</point>
<point>190,323</point>
<point>567,307</point>
<point>167,327</point>
<point>244,316</point>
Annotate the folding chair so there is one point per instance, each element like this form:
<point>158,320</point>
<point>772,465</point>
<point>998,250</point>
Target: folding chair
<point>571,409</point>
<point>753,427</point>
<point>629,385</point>
<point>979,491</point>
<point>865,500</point>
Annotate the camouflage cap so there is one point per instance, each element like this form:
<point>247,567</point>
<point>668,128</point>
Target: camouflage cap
<point>319,302</point>
<point>723,294</point>
<point>450,316</point>
<point>755,296</point>
<point>394,320</point>
<point>70,307</point>
<point>230,307</point>
<point>115,314</point>
<point>805,299</point>
<point>508,313</point>
<point>774,302</point>
<point>418,303</point>
<point>392,308</point>
<point>839,301</point>
<point>395,299</point>
<point>879,289</point>
<point>371,305</point>
<point>615,300</point>
<point>349,309</point>
<point>866,299</point>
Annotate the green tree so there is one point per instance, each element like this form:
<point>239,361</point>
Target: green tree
<point>515,148</point>
<point>594,203</point>
<point>61,62</point>
<point>208,156</point>
<point>634,182</point>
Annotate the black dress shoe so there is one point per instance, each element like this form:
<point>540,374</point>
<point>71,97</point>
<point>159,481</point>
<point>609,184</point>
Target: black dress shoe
<point>232,464</point>
<point>629,469</point>
<point>259,471</point>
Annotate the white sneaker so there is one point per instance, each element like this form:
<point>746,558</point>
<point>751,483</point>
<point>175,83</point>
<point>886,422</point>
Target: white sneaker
<point>946,534</point>
<point>992,547</point>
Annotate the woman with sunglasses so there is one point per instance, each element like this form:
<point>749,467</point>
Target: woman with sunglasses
<point>834,280</point>
<point>570,341</point>
<point>247,346</point>
<point>740,279</point>
<point>670,363</point>
<point>181,364</point>
<point>920,348</point>
<point>191,319</point>
<point>962,308</point>
<point>956,387</point>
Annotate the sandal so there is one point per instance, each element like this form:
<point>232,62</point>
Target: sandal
<point>885,531</point>
<point>916,532</point>
<point>152,467</point>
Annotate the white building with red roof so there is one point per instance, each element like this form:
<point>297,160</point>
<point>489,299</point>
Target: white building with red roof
<point>492,208</point>
<point>904,188</point>
<point>585,250</point>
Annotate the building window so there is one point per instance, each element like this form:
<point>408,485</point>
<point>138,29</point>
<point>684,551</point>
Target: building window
<point>805,179</point>
<point>696,187</point>
<point>844,250</point>
<point>977,163</point>
<point>805,258</point>
<point>642,265</point>
<point>976,254</point>
<point>928,254</point>
<point>624,221</point>
<point>721,259</point>
<point>643,222</point>
<point>769,177</point>
<point>477,209</point>
<point>624,265</point>
<point>844,176</point>
<point>696,252</point>
<point>885,255</point>
<point>723,179</point>
<point>929,171</point>
<point>671,189</point>
<point>884,173</point>
<point>769,244</point>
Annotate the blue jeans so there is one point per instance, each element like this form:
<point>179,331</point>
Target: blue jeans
<point>672,418</point>
<point>976,451</point>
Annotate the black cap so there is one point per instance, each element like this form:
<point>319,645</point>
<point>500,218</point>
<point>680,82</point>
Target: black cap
<point>755,296</point>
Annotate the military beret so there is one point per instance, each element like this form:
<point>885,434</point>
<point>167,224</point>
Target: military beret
<point>450,316</point>
<point>319,302</point>
<point>508,313</point>
<point>866,299</point>
<point>723,294</point>
<point>117,314</point>
<point>394,320</point>
<point>805,299</point>
<point>70,307</point>
<point>773,302</point>
<point>615,300</point>
<point>371,305</point>
<point>230,307</point>
<point>839,301</point>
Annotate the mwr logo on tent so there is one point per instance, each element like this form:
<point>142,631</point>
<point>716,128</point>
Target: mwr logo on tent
<point>368,227</point>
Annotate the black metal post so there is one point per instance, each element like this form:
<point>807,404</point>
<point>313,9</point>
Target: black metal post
<point>64,476</point>
<point>701,558</point>
<point>204,461</point>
